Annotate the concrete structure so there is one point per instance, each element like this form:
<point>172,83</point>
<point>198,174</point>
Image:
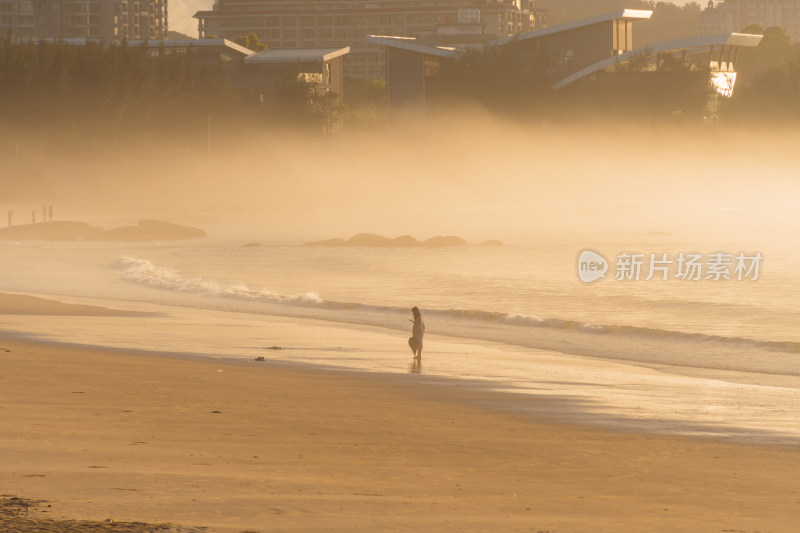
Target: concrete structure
<point>569,48</point>
<point>321,68</point>
<point>138,19</point>
<point>410,63</point>
<point>262,72</point>
<point>574,51</point>
<point>734,15</point>
<point>719,52</point>
<point>208,50</point>
<point>102,20</point>
<point>576,45</point>
<point>328,23</point>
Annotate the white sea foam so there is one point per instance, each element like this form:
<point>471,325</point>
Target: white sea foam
<point>144,272</point>
<point>194,287</point>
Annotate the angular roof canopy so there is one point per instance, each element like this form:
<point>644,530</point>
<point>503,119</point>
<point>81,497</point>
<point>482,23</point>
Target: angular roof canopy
<point>624,14</point>
<point>194,43</point>
<point>423,46</point>
<point>415,44</point>
<point>297,55</point>
<point>677,45</point>
<point>166,43</point>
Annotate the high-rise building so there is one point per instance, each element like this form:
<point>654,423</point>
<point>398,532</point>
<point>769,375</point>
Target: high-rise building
<point>106,20</point>
<point>338,23</point>
<point>735,15</point>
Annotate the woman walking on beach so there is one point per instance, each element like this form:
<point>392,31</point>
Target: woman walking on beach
<point>417,332</point>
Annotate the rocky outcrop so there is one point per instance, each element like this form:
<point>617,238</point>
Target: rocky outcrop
<point>145,230</point>
<point>404,241</point>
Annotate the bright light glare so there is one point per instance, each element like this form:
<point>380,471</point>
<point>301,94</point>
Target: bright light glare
<point>723,82</point>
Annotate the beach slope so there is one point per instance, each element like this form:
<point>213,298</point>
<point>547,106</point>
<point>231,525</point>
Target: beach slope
<point>100,435</point>
<point>138,438</point>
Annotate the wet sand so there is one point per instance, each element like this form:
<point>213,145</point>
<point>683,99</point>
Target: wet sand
<point>22,304</point>
<point>100,434</point>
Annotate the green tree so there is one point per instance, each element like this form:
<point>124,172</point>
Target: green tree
<point>507,79</point>
<point>328,109</point>
<point>250,41</point>
<point>95,94</point>
<point>772,91</point>
<point>365,101</point>
<point>771,52</point>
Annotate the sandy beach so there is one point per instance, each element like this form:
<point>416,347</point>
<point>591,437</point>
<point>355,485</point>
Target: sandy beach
<point>95,434</point>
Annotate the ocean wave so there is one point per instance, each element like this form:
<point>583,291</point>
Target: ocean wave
<point>533,321</point>
<point>142,271</point>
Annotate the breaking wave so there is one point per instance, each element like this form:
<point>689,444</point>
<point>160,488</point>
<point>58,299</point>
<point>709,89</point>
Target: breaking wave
<point>142,271</point>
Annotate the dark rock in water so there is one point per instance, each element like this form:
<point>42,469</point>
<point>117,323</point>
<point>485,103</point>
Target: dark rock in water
<point>374,240</point>
<point>146,230</point>
<point>492,242</point>
<point>439,242</point>
<point>152,230</point>
<point>51,231</point>
<point>362,239</point>
<point>260,358</point>
<point>406,241</point>
<point>369,239</point>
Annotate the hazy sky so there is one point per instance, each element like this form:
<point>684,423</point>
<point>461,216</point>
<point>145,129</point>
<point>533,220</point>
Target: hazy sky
<point>180,15</point>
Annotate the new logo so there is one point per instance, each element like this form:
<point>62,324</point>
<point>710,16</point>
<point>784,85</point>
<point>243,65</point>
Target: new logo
<point>591,266</point>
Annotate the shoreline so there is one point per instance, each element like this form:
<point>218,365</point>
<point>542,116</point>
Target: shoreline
<point>597,392</point>
<point>496,396</point>
<point>142,437</point>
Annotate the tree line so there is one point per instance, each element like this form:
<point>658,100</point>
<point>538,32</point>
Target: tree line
<point>92,92</point>
<point>65,95</point>
<point>54,94</point>
<point>768,84</point>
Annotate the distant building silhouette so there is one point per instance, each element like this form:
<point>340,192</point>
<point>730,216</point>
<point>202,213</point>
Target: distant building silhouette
<point>735,15</point>
<point>101,20</point>
<point>326,24</point>
<point>573,51</point>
